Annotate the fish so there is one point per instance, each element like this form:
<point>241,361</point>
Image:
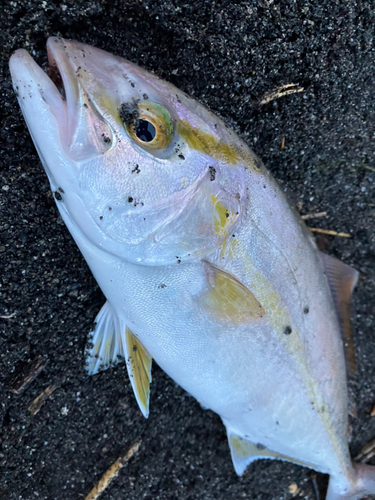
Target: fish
<point>205,265</point>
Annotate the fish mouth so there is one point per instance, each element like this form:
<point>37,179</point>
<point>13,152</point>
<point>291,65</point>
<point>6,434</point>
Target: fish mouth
<point>45,93</point>
<point>61,74</point>
<point>55,102</point>
<point>54,74</point>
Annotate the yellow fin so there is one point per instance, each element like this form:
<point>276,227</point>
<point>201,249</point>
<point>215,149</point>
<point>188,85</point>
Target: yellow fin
<point>139,368</point>
<point>228,300</point>
<point>342,280</point>
<point>243,453</point>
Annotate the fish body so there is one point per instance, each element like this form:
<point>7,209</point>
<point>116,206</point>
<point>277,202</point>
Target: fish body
<point>205,266</point>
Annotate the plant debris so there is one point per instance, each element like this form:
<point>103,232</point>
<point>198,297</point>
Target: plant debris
<point>30,372</point>
<point>113,471</point>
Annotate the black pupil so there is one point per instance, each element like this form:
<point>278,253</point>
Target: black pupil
<point>145,131</point>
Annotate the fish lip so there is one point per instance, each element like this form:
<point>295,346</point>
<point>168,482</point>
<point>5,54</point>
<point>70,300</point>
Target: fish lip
<point>57,85</point>
<point>47,111</point>
<point>61,73</point>
<point>26,72</point>
<point>41,103</point>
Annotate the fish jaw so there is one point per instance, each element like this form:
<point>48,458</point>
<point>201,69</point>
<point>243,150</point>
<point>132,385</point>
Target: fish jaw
<point>44,111</point>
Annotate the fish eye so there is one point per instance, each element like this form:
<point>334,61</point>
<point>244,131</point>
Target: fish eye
<point>149,124</point>
<point>144,130</point>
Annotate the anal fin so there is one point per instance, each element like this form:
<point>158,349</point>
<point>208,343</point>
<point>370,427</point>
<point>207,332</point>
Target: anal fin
<point>244,452</point>
<point>342,280</point>
<point>138,362</point>
<point>110,341</point>
<point>105,342</point>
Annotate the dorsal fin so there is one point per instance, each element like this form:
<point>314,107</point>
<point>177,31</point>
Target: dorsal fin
<point>342,280</point>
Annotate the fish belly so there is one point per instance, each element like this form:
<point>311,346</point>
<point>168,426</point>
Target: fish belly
<point>261,389</point>
<point>279,381</point>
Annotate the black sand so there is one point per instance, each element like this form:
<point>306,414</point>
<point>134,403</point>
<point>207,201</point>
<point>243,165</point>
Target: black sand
<point>228,55</point>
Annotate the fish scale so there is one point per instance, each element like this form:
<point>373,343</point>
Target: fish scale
<point>205,266</point>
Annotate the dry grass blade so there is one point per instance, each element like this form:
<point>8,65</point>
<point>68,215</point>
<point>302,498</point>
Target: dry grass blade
<point>8,316</point>
<point>315,486</point>
<point>314,215</point>
<point>113,471</point>
<point>329,232</point>
<point>38,402</point>
<point>290,88</point>
<point>23,380</point>
<point>367,452</point>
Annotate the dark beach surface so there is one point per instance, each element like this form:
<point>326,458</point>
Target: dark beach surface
<point>319,144</point>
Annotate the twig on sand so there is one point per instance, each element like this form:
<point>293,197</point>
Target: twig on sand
<point>31,372</point>
<point>113,471</point>
<point>290,88</point>
<point>367,452</point>
<point>317,215</point>
<point>8,316</point>
<point>315,486</point>
<point>330,232</point>
<point>38,402</point>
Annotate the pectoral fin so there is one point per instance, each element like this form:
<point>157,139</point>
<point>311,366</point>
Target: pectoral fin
<point>342,280</point>
<point>105,343</point>
<point>228,300</point>
<point>244,453</point>
<point>138,362</point>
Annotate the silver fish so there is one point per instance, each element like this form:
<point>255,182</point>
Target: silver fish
<point>205,266</point>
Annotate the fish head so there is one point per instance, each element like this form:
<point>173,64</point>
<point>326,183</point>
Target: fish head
<point>137,167</point>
